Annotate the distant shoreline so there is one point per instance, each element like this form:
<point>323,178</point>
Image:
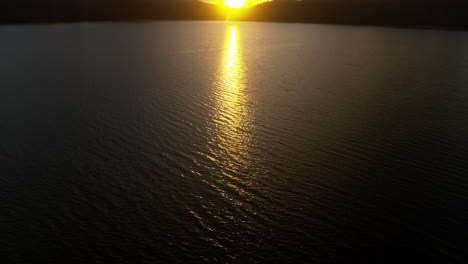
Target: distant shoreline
<point>443,16</point>
<point>232,21</point>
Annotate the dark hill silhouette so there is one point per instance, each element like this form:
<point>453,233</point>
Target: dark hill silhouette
<point>31,11</point>
<point>449,13</point>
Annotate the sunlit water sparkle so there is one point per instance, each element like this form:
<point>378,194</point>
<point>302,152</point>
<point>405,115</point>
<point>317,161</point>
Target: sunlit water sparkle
<point>188,142</point>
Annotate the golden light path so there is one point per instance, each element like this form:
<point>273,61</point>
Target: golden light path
<point>232,116</point>
<point>231,145</point>
<point>232,110</point>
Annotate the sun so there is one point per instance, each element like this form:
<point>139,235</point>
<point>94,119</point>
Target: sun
<point>235,3</point>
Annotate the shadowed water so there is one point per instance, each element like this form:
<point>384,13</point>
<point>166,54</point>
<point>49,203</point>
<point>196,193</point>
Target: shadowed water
<point>193,142</point>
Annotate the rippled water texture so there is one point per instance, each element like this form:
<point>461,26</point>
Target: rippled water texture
<point>191,142</point>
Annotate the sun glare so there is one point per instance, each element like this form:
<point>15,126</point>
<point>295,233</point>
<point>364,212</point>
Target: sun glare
<point>235,3</point>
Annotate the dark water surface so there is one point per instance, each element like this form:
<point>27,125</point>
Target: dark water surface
<point>193,142</point>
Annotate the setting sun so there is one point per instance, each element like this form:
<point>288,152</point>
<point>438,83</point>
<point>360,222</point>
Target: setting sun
<point>235,3</point>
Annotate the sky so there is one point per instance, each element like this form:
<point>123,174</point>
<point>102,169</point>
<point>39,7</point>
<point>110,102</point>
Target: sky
<point>250,2</point>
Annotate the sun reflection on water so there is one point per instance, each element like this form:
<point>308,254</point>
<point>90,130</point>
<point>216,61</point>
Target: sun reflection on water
<point>232,115</point>
<point>232,167</point>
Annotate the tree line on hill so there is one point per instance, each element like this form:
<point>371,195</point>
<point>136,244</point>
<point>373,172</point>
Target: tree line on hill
<point>425,13</point>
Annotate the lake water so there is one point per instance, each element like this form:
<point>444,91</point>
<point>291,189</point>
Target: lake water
<point>192,142</point>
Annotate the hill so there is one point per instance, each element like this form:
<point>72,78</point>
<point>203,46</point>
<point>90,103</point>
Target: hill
<point>450,13</point>
<point>425,13</point>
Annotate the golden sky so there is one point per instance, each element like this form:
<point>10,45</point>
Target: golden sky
<point>249,2</point>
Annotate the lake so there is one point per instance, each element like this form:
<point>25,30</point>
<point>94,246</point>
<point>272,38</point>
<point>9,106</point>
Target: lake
<point>189,142</point>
